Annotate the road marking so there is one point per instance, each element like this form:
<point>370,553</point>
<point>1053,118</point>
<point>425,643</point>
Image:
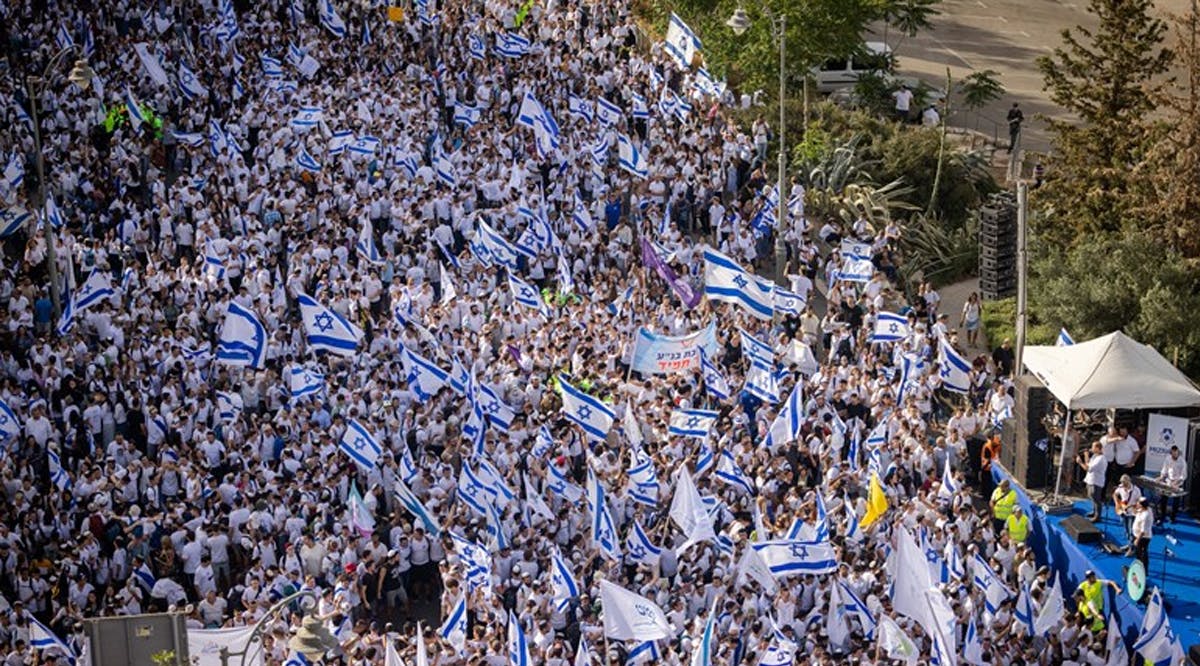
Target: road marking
<point>980,3</point>
<point>952,52</point>
<point>981,17</point>
<point>1023,34</point>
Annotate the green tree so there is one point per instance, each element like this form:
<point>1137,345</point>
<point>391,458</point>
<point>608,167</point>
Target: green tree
<point>980,88</point>
<point>1173,166</point>
<point>1110,79</point>
<point>816,30</point>
<point>909,17</point>
<point>1119,281</point>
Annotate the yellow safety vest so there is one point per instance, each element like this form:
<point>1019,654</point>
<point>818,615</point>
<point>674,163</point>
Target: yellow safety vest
<point>1018,530</point>
<point>1093,595</point>
<point>1004,504</point>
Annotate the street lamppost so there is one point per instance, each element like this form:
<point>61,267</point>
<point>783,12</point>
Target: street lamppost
<point>312,640</point>
<point>739,23</point>
<point>81,75</point>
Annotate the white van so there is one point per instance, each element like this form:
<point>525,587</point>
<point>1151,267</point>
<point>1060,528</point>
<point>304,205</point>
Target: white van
<point>837,73</point>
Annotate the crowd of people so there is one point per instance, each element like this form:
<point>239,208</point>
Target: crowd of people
<point>247,156</point>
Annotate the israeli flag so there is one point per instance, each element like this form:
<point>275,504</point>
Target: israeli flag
<point>14,171</point>
<point>646,651</point>
<point>414,506</point>
<point>509,45</point>
<point>189,139</point>
<point>786,426</point>
<point>1064,339</point>
<point>990,583</point>
<point>587,412</point>
<point>639,549</point>
<point>788,302</point>
<point>366,247</point>
<point>518,648</point>
<point>214,264</point>
<point>607,112</point>
<point>307,118</point>
<point>476,48</point>
<point>681,43</point>
<point>759,352</point>
<point>472,491</point>
<point>44,640</point>
<point>789,558</point>
<point>618,304</point>
<point>444,169</point>
<point>145,577</point>
<point>692,422</point>
<point>304,381</point>
<point>243,341</point>
<point>63,38</point>
<point>630,158</point>
<point>58,475</point>
<point>329,18</point>
<point>305,162</point>
<point>94,290</point>
<point>339,141</point>
<point>9,425</point>
<point>682,109</point>
<point>364,145</point>
<point>855,606</point>
<point>454,629</point>
<point>640,110</point>
<point>52,213</point>
<point>562,488</point>
<point>424,377</point>
<point>327,330</point>
<point>599,150</point>
<point>668,102</point>
<point>229,405</point>
<point>366,34</point>
<point>580,108</point>
<point>714,381</point>
<point>852,249</point>
<point>566,283</point>
<point>466,115</point>
<point>949,487</point>
<point>272,67</point>
<point>705,458</point>
<point>856,270</point>
<point>1024,612</point>
<point>134,109</point>
<point>495,409</point>
<point>546,133</point>
<point>12,220</point>
<point>563,582</point>
<point>476,561</point>
<point>1156,641</point>
<point>604,531</point>
<point>890,327</point>
<point>362,447</point>
<point>580,214</point>
<point>525,294</point>
<point>725,280</point>
<point>189,85</point>
<point>953,369</point>
<point>706,85</point>
<point>729,472</point>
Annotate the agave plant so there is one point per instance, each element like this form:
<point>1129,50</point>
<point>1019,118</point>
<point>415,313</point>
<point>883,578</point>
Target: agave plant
<point>939,252</point>
<point>840,186</point>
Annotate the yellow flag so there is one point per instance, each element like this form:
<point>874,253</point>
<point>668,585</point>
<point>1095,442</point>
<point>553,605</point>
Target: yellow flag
<point>877,503</point>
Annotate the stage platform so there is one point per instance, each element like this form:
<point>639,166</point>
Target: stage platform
<point>1181,582</point>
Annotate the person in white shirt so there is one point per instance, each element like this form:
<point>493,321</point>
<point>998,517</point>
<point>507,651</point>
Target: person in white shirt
<point>1174,474</point>
<point>1143,530</point>
<point>1096,467</point>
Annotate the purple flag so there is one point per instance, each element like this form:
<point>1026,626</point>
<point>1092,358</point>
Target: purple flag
<point>688,296</point>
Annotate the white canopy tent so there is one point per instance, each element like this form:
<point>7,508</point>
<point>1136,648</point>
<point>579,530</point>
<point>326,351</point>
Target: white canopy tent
<point>1111,372</point>
<point>1114,371</point>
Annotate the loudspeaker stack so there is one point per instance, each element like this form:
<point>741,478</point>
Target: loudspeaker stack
<point>998,247</point>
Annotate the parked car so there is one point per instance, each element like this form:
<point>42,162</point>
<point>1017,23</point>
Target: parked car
<point>840,73</point>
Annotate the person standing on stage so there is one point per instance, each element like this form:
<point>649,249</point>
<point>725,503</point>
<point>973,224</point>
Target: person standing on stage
<point>1096,467</point>
<point>1126,452</point>
<point>1143,529</point>
<point>1125,497</point>
<point>1174,474</point>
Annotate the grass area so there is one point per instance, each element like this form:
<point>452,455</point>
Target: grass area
<point>1000,322</point>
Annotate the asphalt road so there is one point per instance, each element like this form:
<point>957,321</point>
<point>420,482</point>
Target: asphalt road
<point>1003,35</point>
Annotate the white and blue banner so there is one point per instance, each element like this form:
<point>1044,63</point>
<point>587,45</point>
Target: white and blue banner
<point>661,354</point>
<point>692,422</point>
<point>681,43</point>
<point>790,558</point>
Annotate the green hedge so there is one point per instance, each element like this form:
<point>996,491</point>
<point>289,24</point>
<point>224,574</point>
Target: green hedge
<point>1000,322</point>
